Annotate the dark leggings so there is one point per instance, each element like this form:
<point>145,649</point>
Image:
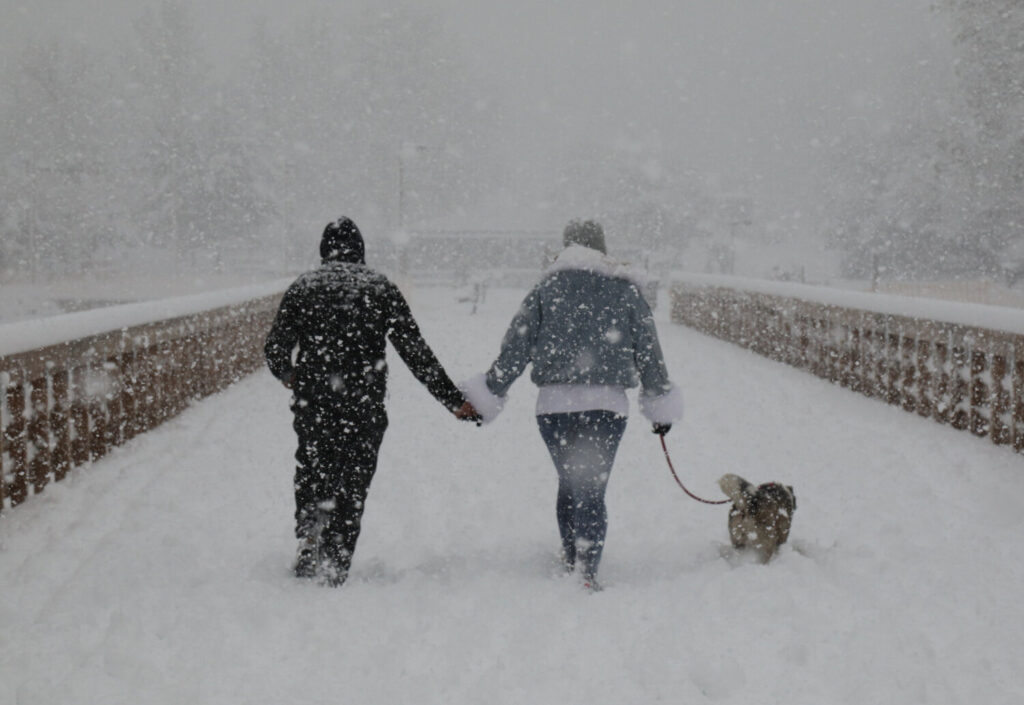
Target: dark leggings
<point>337,459</point>
<point>582,446</point>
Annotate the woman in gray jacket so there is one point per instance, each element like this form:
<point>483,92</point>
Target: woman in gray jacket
<point>590,335</point>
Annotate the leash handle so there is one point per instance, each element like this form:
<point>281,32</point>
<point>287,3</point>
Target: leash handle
<point>678,482</point>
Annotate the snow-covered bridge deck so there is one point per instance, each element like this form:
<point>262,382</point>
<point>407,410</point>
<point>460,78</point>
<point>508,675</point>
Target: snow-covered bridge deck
<point>160,574</point>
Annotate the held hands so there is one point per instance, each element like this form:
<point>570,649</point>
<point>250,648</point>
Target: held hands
<point>467,412</point>
<point>662,428</point>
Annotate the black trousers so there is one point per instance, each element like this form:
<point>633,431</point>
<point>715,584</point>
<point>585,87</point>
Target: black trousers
<point>337,458</point>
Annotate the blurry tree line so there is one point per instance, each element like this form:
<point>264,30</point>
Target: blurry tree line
<point>147,154</point>
<point>144,154</point>
<point>941,195</point>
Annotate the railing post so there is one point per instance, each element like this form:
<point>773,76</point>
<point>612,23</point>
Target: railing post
<point>38,433</point>
<point>123,397</point>
<point>819,364</point>
<point>908,363</point>
<point>943,406</point>
<point>3,441</point>
<point>164,382</point>
<point>881,356</point>
<point>4,445</point>
<point>959,379</point>
<point>79,417</point>
<point>979,389</point>
<point>925,371</point>
<point>99,420</point>
<point>868,357</point>
<point>129,388</point>
<point>145,383</point>
<point>14,436</point>
<point>113,401</point>
<point>806,344</point>
<point>1000,422</point>
<point>60,422</point>
<point>1017,390</point>
<point>849,349</point>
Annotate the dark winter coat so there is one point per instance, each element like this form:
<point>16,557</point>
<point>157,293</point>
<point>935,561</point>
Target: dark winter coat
<point>338,316</point>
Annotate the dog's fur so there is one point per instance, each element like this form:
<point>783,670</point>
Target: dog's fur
<point>760,517</point>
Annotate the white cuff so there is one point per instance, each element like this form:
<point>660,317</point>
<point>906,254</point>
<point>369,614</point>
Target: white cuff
<point>665,408</point>
<point>487,404</point>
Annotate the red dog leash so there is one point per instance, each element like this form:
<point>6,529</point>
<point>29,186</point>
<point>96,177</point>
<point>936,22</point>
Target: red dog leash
<point>705,501</point>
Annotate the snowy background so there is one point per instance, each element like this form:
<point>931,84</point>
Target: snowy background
<point>825,141</point>
<point>161,573</point>
<point>169,148</point>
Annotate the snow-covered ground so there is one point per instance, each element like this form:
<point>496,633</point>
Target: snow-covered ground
<point>161,574</point>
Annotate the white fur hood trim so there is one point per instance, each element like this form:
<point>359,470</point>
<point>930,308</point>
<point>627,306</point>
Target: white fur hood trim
<point>577,257</point>
<point>488,404</point>
<point>666,408</point>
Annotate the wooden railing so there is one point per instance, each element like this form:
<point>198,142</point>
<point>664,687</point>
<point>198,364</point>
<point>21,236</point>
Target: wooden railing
<point>969,377</point>
<point>67,404</point>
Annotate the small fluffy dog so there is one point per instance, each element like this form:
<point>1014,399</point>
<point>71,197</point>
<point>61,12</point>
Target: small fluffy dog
<point>760,516</point>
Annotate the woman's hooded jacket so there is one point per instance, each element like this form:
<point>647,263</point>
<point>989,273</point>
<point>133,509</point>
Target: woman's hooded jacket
<point>584,323</point>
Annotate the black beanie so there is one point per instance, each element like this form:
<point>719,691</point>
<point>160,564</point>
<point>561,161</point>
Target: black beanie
<point>586,233</point>
<point>342,242</point>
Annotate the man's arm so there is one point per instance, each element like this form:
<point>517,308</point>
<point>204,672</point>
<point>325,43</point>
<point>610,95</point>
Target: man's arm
<point>405,335</point>
<point>282,339</point>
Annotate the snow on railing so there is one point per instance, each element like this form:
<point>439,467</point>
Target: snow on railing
<point>959,364</point>
<point>74,386</point>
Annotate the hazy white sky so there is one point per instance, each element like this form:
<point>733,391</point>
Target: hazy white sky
<point>744,90</point>
<point>730,82</point>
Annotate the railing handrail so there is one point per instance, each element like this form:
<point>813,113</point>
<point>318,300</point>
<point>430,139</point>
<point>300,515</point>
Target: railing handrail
<point>987,316</point>
<point>66,403</point>
<point>38,333</point>
<point>969,376</point>
<point>111,342</point>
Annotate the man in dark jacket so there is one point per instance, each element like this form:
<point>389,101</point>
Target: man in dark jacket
<point>338,317</point>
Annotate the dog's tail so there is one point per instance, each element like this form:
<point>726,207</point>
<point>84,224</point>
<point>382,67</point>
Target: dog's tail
<point>736,488</point>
